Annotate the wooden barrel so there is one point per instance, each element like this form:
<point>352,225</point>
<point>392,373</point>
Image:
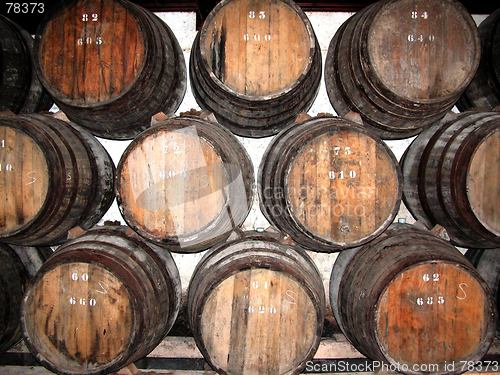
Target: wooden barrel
<point>329,183</point>
<point>17,266</point>
<point>53,177</point>
<point>451,177</point>
<point>256,65</point>
<point>100,302</point>
<point>20,88</point>
<point>402,64</point>
<point>487,263</point>
<point>185,183</point>
<point>110,65</point>
<point>483,93</point>
<point>411,299</point>
<point>256,306</point>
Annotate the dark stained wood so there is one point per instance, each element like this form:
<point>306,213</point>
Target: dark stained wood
<point>20,89</point>
<point>452,176</point>
<point>410,298</point>
<point>185,183</point>
<point>402,65</point>
<point>101,302</point>
<point>256,65</point>
<point>487,262</point>
<point>256,306</point>
<point>110,65</point>
<point>329,183</point>
<point>53,177</point>
<point>483,93</point>
<point>17,266</point>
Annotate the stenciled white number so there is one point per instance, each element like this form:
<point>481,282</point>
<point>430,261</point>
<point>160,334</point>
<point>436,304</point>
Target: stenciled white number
<point>415,15</point>
<point>2,143</point>
<point>6,167</point>
<point>84,276</point>
<point>342,175</point>
<point>94,17</point>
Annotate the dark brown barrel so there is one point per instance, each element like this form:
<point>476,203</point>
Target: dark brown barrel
<point>185,183</point>
<point>329,183</point>
<point>256,306</point>
<point>100,302</point>
<point>402,64</point>
<point>53,177</point>
<point>483,93</point>
<point>110,65</point>
<point>487,262</point>
<point>412,300</point>
<point>256,65</point>
<point>17,266</point>
<point>20,88</point>
<point>451,177</point>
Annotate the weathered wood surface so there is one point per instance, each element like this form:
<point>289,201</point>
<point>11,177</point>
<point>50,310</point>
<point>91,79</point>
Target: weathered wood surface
<point>53,177</point>
<point>452,178</point>
<point>185,183</point>
<point>487,262</point>
<point>401,64</point>
<point>256,306</point>
<point>18,264</point>
<point>110,65</point>
<point>20,89</point>
<point>329,183</point>
<point>256,65</point>
<point>483,93</point>
<point>409,297</point>
<point>101,302</point>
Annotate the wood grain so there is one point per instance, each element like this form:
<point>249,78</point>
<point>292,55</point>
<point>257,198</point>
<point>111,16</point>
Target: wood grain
<point>448,329</point>
<point>250,320</point>
<point>99,71</point>
<point>257,47</point>
<point>168,178</point>
<point>186,184</point>
<point>342,186</point>
<point>483,182</point>
<point>256,64</point>
<point>24,179</point>
<point>67,324</point>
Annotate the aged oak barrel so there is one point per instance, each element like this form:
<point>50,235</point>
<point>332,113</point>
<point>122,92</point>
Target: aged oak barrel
<point>402,64</point>
<point>329,183</point>
<point>100,302</point>
<point>20,88</point>
<point>487,262</point>
<point>484,91</point>
<point>17,266</point>
<point>452,178</point>
<point>53,177</point>
<point>110,65</point>
<point>186,183</point>
<point>412,300</point>
<point>256,306</point>
<point>256,65</point>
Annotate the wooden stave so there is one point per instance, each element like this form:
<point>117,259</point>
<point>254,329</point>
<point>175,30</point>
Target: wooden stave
<point>125,116</point>
<point>234,256</point>
<point>379,107</point>
<point>488,266</point>
<point>272,172</point>
<point>219,229</point>
<point>62,212</point>
<point>483,93</point>
<point>124,255</point>
<point>434,194</point>
<point>250,116</point>
<point>357,320</point>
<point>20,264</point>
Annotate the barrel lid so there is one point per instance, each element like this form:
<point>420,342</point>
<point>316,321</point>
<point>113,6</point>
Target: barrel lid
<point>257,50</point>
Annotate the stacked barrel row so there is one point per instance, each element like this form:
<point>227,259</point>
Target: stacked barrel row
<point>256,301</point>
